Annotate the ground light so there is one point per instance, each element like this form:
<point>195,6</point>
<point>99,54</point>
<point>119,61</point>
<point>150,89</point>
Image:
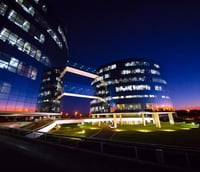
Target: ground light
<point>168,130</point>
<point>144,131</point>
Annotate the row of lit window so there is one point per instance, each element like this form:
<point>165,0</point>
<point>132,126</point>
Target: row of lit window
<point>22,45</point>
<point>107,68</point>
<point>45,93</point>
<point>14,65</point>
<point>63,36</point>
<point>38,18</point>
<point>101,92</point>
<point>136,63</point>
<point>139,63</point>
<point>132,106</point>
<point>137,87</point>
<point>133,96</point>
<point>52,93</point>
<point>26,7</point>
<point>47,100</point>
<point>162,81</point>
<point>98,109</point>
<point>140,71</point>
<point>22,23</point>
<point>118,81</point>
<point>26,26</point>
<point>135,106</point>
<point>96,101</point>
<point>132,88</point>
<point>125,80</point>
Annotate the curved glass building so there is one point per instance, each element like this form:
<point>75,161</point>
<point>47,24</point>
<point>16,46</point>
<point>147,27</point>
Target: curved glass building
<point>130,85</point>
<point>31,41</point>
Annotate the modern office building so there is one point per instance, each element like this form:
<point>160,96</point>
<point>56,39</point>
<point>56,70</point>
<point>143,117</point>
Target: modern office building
<point>130,85</point>
<point>31,41</point>
<point>51,88</point>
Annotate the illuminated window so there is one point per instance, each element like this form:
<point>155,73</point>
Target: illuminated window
<point>40,38</point>
<point>3,64</point>
<point>19,20</point>
<point>63,36</point>
<point>44,8</point>
<point>165,97</point>
<point>38,55</point>
<point>3,8</point>
<point>137,63</point>
<point>132,88</point>
<point>149,106</point>
<point>4,34</point>
<point>125,72</point>
<point>32,72</point>
<point>26,47</point>
<point>136,106</point>
<point>55,37</point>
<point>26,6</point>
<point>152,71</point>
<point>106,76</point>
<point>13,64</point>
<point>20,44</point>
<point>33,51</point>
<point>156,65</point>
<point>36,1</point>
<point>12,38</point>
<point>159,80</point>
<point>158,88</point>
<point>26,26</point>
<point>5,88</point>
<point>138,71</point>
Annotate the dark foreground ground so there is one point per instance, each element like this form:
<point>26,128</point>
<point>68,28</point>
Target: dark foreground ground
<point>17,154</point>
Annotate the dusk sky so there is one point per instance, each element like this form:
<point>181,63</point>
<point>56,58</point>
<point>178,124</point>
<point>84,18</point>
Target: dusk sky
<point>167,31</point>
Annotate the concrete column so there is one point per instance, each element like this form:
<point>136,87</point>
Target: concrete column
<point>143,120</point>
<point>157,120</point>
<point>114,120</point>
<point>171,119</point>
<point>99,123</point>
<point>154,119</point>
<point>120,119</point>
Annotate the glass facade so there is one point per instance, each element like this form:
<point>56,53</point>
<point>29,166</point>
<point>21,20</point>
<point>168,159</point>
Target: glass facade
<point>31,42</point>
<point>130,85</point>
<point>51,88</point>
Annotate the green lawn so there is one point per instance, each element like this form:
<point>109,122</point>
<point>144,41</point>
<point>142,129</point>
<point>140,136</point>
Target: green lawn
<point>180,134</point>
<point>76,130</point>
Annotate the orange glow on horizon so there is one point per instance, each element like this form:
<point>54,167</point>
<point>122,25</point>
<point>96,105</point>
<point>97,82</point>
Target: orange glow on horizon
<point>16,109</point>
<point>186,108</point>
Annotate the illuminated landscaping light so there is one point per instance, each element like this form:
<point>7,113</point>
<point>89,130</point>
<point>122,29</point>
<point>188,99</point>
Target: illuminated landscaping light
<point>168,130</point>
<point>118,130</point>
<point>185,128</point>
<point>93,128</point>
<point>144,131</point>
<point>81,132</point>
